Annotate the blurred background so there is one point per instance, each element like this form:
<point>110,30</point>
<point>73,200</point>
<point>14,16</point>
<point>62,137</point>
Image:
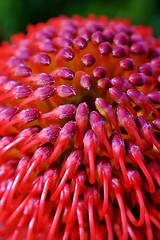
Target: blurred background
<point>16,14</point>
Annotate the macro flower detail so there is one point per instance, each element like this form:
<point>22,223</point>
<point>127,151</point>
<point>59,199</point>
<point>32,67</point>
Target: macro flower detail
<point>80,131</point>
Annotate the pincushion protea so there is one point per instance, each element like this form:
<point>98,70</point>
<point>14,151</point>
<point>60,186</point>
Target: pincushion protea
<point>80,131</point>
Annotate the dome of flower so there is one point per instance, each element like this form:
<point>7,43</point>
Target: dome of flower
<point>80,131</point>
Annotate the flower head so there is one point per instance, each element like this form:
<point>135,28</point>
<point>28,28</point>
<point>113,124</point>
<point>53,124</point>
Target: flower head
<point>80,131</point>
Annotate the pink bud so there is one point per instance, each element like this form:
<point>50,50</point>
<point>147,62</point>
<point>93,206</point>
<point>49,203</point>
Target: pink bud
<point>105,48</point>
<point>119,51</point>
<point>22,71</point>
<point>28,115</point>
<point>139,47</point>
<point>99,72</point>
<point>42,58</point>
<point>44,92</point>
<point>21,91</point>
<point>61,112</point>
<point>121,83</point>
<point>121,39</point>
<point>80,43</point>
<point>154,96</point>
<point>46,46</point>
<point>98,125</point>
<point>97,37</point>
<point>65,136</point>
<point>85,81</point>
<point>66,73</point>
<point>104,83</point>
<point>122,99</point>
<point>88,60</point>
<point>66,53</point>
<point>127,64</point>
<point>65,91</point>
<point>146,68</point>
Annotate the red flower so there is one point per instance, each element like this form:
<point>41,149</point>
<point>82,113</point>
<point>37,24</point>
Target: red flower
<point>80,131</point>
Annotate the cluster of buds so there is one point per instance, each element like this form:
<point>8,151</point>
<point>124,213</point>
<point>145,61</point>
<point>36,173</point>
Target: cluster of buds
<point>80,131</point>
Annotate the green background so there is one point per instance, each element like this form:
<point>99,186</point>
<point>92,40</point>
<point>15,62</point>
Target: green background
<point>16,14</point>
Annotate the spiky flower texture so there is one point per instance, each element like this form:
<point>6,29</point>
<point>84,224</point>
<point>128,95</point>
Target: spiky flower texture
<point>80,131</point>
